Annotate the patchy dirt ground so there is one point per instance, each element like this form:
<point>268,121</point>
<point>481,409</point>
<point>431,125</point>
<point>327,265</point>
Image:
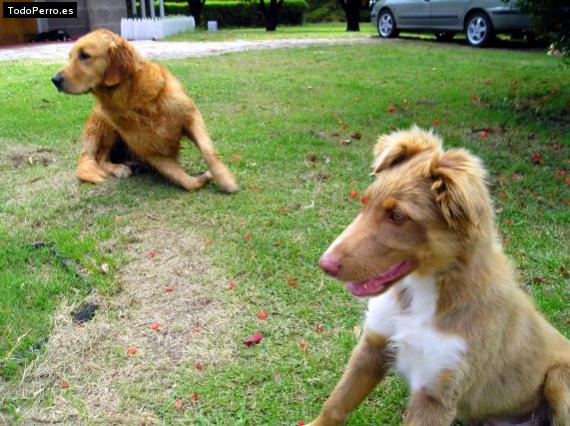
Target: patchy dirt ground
<point>86,368</point>
<point>58,52</point>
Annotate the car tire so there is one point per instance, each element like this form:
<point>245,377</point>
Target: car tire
<point>479,30</point>
<point>444,35</point>
<point>387,25</point>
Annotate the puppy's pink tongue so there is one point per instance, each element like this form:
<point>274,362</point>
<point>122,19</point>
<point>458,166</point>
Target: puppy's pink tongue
<point>365,289</point>
<point>379,283</point>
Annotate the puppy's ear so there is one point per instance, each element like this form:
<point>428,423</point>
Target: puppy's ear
<point>122,59</point>
<point>400,146</point>
<point>459,185</point>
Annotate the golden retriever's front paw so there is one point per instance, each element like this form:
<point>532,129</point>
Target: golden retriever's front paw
<point>89,171</point>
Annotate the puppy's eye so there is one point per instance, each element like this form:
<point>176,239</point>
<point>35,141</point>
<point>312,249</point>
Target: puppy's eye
<point>83,56</point>
<point>397,217</point>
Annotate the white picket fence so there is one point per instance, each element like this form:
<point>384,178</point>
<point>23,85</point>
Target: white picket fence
<point>155,28</point>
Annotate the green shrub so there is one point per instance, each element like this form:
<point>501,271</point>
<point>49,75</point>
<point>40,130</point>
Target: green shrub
<point>330,11</point>
<point>236,13</point>
<point>550,18</point>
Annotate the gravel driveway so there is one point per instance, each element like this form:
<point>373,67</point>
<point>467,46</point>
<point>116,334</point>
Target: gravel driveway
<point>58,52</point>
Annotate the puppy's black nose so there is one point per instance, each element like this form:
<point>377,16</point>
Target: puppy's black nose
<point>57,80</point>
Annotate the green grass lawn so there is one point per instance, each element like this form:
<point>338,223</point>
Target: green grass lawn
<point>278,118</point>
<point>308,31</point>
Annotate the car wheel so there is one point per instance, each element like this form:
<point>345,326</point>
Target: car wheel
<point>479,30</point>
<point>387,25</point>
<point>444,35</point>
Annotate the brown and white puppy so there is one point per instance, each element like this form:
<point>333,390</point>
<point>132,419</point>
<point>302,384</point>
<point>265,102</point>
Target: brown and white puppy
<point>444,308</point>
<point>143,104</point>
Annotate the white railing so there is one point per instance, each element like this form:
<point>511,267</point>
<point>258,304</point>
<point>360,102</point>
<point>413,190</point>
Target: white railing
<point>155,28</point>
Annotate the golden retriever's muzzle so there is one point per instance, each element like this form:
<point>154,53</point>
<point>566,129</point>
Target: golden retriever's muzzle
<point>57,80</point>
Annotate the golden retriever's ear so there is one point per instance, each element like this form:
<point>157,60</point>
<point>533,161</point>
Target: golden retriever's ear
<point>122,60</point>
<point>459,184</point>
<point>400,146</point>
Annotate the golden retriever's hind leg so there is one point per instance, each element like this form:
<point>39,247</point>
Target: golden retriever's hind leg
<point>557,392</point>
<point>368,365</point>
<point>115,169</point>
<point>170,169</point>
<point>196,131</point>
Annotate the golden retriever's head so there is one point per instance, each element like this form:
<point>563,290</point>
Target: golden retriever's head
<point>424,207</point>
<point>98,59</point>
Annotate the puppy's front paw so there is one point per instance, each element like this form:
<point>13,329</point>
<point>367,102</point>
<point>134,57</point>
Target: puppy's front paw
<point>321,421</point>
<point>228,184</point>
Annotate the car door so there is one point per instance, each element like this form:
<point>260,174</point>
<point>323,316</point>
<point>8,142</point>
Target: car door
<point>411,13</point>
<point>448,14</point>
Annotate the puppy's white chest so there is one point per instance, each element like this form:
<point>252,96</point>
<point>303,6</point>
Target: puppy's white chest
<point>405,314</point>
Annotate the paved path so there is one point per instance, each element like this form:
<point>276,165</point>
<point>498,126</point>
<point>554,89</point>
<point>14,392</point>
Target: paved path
<point>58,52</point>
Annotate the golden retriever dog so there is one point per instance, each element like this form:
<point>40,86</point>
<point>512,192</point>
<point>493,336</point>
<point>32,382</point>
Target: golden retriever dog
<point>444,309</point>
<point>141,103</point>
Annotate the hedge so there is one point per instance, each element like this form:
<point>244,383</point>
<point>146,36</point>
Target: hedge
<point>236,13</point>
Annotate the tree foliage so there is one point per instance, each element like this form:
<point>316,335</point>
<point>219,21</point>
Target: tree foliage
<point>551,19</point>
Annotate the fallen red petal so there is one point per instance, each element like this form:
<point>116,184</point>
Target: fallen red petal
<point>262,315</point>
<point>155,326</point>
<point>536,158</point>
<point>254,339</point>
<point>319,328</point>
<point>196,329</point>
<point>301,423</point>
<point>132,350</point>
<point>231,285</point>
<point>474,98</point>
<point>151,254</point>
<point>168,289</point>
<point>483,134</point>
<point>199,366</point>
<point>178,404</point>
<point>435,122</point>
<point>303,345</point>
<point>64,385</point>
<point>392,110</point>
<point>195,396</point>
<point>356,135</point>
<point>292,283</point>
<point>282,210</point>
<point>247,236</point>
<point>353,194</point>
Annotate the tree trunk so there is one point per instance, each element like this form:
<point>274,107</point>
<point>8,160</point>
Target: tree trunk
<point>195,7</point>
<point>271,13</point>
<point>352,11</point>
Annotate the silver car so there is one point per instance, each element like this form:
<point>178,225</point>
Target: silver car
<point>479,19</point>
